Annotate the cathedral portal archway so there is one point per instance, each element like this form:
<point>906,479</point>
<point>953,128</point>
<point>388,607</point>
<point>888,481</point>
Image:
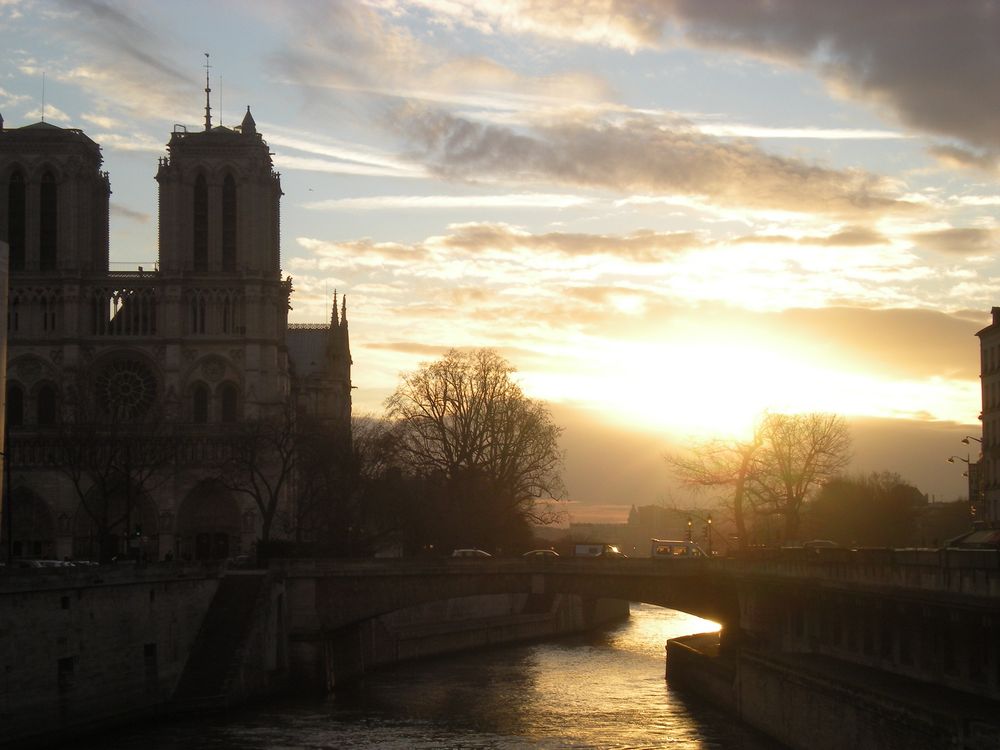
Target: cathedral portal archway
<point>208,523</point>
<point>108,527</point>
<point>31,524</point>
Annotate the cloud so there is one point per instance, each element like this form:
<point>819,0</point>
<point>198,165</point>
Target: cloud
<point>959,240</point>
<point>913,344</point>
<point>124,212</point>
<point>932,64</point>
<point>513,200</point>
<point>638,155</point>
<point>128,60</point>
<point>355,48</point>
<point>854,236</point>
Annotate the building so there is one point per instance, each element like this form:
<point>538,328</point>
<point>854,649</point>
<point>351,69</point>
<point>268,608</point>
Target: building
<point>187,349</point>
<point>984,479</point>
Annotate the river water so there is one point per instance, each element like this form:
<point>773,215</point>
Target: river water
<point>598,691</point>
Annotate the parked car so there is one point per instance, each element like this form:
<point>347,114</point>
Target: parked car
<point>598,550</point>
<point>470,553</point>
<point>541,554</point>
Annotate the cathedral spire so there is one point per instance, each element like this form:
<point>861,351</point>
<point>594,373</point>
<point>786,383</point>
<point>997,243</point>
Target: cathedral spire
<point>343,311</point>
<point>208,96</point>
<point>334,322</point>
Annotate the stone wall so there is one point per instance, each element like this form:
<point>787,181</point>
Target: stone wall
<point>452,626</point>
<point>81,647</point>
<point>813,702</point>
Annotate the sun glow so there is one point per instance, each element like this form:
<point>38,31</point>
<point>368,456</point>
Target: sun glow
<point>712,385</point>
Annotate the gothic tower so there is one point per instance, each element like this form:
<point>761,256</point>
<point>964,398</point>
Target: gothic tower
<point>197,339</point>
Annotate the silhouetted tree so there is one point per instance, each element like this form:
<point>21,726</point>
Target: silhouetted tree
<point>464,425</point>
<point>113,460</point>
<point>798,453</point>
<point>879,509</point>
<point>771,473</point>
<point>718,463</point>
<point>262,461</point>
<point>337,504</point>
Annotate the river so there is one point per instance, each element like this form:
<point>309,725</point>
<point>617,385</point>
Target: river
<point>598,691</point>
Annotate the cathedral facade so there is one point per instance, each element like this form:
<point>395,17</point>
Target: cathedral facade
<point>191,349</point>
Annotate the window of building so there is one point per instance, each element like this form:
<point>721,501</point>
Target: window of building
<point>229,398</point>
<point>48,227</point>
<point>200,224</point>
<point>197,313</point>
<point>229,224</point>
<point>15,405</point>
<point>47,405</point>
<point>16,221</point>
<point>200,404</point>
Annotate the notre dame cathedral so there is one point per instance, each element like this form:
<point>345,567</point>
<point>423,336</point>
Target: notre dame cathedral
<point>200,341</point>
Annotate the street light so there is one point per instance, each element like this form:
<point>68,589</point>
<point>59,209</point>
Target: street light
<point>967,438</point>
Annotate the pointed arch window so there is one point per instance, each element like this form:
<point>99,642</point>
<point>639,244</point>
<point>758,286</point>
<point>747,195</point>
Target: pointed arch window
<point>17,220</point>
<point>230,402</point>
<point>199,404</point>
<point>200,222</point>
<point>47,405</point>
<point>197,313</point>
<point>48,227</point>
<point>15,405</point>
<point>229,224</point>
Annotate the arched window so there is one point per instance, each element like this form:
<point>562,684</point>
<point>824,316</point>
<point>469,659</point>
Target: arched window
<point>198,310</point>
<point>48,223</point>
<point>199,404</point>
<point>229,398</point>
<point>229,224</point>
<point>200,224</point>
<point>46,402</point>
<point>15,405</point>
<point>16,221</point>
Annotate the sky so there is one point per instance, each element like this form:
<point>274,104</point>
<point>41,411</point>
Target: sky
<point>669,215</point>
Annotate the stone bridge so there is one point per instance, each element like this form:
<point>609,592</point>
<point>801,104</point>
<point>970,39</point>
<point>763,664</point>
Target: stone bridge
<point>933,615</point>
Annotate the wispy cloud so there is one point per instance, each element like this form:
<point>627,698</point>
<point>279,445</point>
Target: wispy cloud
<point>873,62</point>
<point>639,155</point>
<point>513,200</point>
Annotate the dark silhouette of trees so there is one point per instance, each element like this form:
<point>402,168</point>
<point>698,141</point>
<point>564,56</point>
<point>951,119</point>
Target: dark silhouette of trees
<point>771,473</point>
<point>340,507</point>
<point>465,429</point>
<point>262,461</point>
<point>722,464</point>
<point>113,461</point>
<point>880,510</point>
<point>799,453</point>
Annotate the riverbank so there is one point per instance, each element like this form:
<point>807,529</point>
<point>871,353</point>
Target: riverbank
<point>814,702</point>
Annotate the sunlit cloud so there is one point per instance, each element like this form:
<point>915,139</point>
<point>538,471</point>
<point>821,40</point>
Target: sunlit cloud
<point>513,200</point>
<point>639,156</point>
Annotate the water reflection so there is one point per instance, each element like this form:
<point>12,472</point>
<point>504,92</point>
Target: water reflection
<point>602,690</point>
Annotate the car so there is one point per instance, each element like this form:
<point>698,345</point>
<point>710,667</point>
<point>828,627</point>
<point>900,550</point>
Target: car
<point>820,544</point>
<point>541,554</point>
<point>470,553</point>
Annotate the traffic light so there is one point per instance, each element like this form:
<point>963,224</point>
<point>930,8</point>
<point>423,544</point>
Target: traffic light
<point>138,530</point>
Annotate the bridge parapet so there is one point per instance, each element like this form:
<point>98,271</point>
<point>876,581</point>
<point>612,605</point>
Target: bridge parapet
<point>947,572</point>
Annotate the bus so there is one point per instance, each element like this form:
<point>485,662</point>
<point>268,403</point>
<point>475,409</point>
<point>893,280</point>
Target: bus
<point>664,549</point>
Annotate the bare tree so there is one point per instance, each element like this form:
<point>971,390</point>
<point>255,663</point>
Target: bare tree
<point>773,472</point>
<point>463,419</point>
<point>262,462</point>
<point>113,461</point>
<point>800,453</point>
<point>722,464</point>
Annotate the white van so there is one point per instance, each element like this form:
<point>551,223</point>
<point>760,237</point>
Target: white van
<point>665,549</point>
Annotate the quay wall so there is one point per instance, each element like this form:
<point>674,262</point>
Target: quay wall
<point>448,627</point>
<point>813,702</point>
<point>84,647</point>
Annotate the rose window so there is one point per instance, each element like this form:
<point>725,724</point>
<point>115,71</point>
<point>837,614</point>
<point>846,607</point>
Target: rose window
<point>126,389</point>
